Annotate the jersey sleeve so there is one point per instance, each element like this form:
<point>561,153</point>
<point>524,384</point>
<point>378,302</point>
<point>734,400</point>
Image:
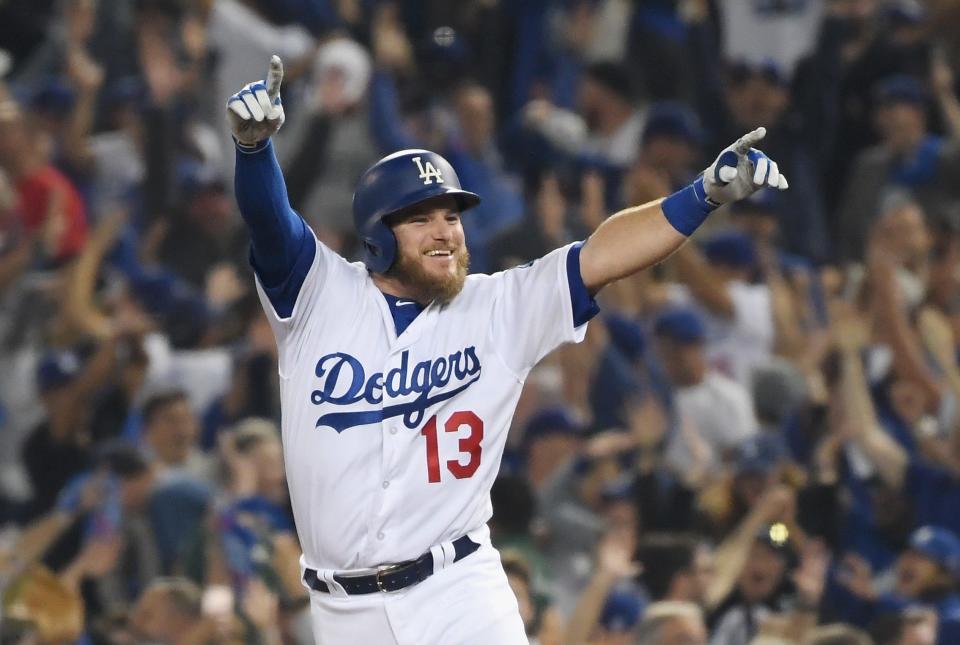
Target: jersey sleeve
<point>538,307</point>
<point>314,293</point>
<point>291,266</point>
<point>282,247</point>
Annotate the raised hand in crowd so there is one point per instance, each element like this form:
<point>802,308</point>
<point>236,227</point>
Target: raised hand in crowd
<point>87,77</point>
<point>551,209</point>
<point>778,504</point>
<point>391,47</point>
<point>593,207</point>
<point>81,315</point>
<point>857,576</point>
<point>260,607</point>
<point>98,557</point>
<point>811,575</point>
<point>614,562</point>
<point>943,84</point>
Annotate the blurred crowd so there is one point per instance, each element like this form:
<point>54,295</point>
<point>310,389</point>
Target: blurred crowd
<point>758,442</point>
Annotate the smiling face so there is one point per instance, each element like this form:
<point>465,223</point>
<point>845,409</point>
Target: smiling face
<point>432,258</point>
<point>917,574</point>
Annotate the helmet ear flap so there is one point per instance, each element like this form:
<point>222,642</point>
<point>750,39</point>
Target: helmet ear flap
<point>379,248</point>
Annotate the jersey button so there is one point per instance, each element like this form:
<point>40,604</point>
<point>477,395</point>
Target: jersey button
<point>393,430</point>
<point>380,535</point>
<point>386,484</point>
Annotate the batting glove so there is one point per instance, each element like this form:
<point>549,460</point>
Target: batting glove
<point>255,113</point>
<point>740,171</point>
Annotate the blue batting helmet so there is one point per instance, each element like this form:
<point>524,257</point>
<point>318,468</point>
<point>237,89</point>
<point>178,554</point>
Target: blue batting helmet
<point>396,182</point>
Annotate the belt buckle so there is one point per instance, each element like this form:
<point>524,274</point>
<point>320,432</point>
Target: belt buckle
<point>385,569</point>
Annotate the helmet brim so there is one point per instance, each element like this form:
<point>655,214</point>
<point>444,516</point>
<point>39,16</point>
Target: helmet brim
<point>464,198</point>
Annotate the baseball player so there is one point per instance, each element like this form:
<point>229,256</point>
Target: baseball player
<point>399,374</point>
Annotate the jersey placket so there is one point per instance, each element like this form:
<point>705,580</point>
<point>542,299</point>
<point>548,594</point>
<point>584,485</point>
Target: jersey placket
<point>393,432</point>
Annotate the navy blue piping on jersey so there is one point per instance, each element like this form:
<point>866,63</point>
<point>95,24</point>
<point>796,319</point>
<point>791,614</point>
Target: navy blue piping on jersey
<point>584,305</point>
<point>282,248</point>
<point>403,310</point>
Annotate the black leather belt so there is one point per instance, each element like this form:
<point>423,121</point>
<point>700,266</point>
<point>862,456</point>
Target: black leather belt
<point>391,577</point>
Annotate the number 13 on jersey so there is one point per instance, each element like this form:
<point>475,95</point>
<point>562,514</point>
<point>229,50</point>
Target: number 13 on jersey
<point>469,445</point>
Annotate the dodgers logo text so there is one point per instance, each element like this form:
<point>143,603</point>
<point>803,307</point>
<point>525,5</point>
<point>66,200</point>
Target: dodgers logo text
<point>344,382</point>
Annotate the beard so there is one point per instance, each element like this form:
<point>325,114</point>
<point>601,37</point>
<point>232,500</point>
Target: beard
<point>427,287</point>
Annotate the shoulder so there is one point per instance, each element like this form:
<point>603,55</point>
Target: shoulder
<point>749,295</point>
<point>725,386</point>
<point>477,287</point>
<point>748,289</point>
<point>346,269</point>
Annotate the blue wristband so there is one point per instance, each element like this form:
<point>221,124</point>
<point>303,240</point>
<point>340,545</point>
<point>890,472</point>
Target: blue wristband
<point>687,208</point>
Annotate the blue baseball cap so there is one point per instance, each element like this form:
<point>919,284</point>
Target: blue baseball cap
<point>618,489</point>
<point>194,177</point>
<point>673,120</point>
<point>682,325</point>
<point>739,71</point>
<point>906,12</point>
<point>54,97</point>
<point>759,454</point>
<point>901,89</point>
<point>550,422</point>
<point>626,335</point>
<point>731,248</point>
<point>939,544</point>
<point>622,610</point>
<point>57,369</point>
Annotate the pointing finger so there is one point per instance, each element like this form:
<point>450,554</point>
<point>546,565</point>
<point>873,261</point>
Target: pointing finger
<point>747,141</point>
<point>274,77</point>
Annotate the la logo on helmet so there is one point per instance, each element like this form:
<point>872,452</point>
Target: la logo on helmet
<point>428,172</point>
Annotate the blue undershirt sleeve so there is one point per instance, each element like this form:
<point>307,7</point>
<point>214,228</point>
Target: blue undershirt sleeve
<point>583,304</point>
<point>282,247</point>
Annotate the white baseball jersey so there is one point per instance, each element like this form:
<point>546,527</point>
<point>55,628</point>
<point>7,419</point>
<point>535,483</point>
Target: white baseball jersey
<point>392,443</point>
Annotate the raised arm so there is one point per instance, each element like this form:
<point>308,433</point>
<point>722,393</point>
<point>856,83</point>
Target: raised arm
<point>280,239</point>
<point>943,88</point>
<point>860,418</point>
<point>639,237</point>
<point>614,562</point>
<point>731,555</point>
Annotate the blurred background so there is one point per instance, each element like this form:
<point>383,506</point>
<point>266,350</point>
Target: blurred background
<point>759,440</point>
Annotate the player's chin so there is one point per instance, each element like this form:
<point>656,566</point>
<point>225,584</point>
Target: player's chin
<point>450,280</point>
<point>440,282</point>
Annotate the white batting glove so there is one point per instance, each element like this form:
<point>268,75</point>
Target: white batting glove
<point>255,113</point>
<point>741,170</point>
